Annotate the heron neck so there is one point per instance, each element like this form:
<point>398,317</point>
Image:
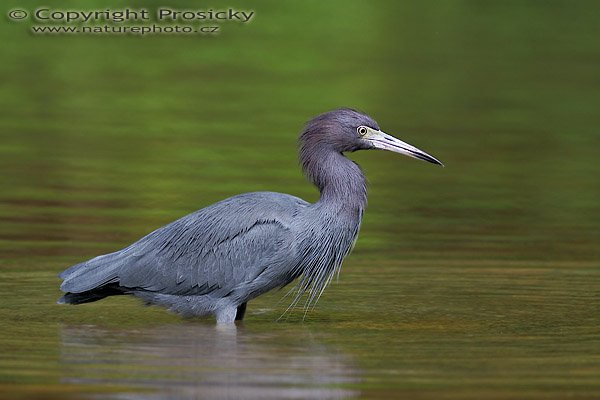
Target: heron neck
<point>340,181</point>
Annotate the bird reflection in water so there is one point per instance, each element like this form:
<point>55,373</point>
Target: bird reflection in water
<point>191,361</point>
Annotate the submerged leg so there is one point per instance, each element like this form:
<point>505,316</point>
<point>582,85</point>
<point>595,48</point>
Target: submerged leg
<point>241,311</point>
<point>226,315</point>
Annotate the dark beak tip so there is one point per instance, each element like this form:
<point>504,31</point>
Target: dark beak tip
<point>434,160</point>
<point>428,158</point>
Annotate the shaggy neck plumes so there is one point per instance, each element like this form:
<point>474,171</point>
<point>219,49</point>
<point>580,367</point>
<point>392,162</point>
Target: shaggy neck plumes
<point>334,221</point>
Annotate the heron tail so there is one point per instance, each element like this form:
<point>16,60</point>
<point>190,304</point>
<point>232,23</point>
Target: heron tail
<point>93,279</point>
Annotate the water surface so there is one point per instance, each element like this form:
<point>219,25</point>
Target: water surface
<point>479,280</point>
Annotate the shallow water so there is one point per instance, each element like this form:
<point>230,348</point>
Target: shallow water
<point>479,280</point>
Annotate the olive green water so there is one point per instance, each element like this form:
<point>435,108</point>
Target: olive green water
<point>479,280</point>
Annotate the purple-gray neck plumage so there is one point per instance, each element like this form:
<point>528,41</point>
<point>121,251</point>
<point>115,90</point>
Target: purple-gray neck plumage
<point>340,181</point>
<point>334,220</point>
<point>329,227</point>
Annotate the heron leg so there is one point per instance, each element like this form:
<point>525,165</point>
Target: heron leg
<point>241,311</point>
<point>226,315</point>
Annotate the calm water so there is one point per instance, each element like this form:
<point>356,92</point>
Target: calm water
<point>479,280</point>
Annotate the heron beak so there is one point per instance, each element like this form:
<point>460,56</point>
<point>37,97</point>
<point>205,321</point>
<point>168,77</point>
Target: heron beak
<point>383,141</point>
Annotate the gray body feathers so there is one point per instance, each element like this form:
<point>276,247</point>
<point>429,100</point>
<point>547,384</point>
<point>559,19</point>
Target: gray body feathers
<point>220,257</point>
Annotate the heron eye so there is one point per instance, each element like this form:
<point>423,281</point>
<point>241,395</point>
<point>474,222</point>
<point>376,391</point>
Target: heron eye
<point>362,130</point>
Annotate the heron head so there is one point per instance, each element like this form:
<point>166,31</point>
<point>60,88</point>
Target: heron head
<point>347,130</point>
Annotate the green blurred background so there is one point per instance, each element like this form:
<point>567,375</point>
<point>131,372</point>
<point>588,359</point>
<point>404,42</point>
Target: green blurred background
<point>477,280</point>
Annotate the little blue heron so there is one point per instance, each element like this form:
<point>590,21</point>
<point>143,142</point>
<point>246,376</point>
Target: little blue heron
<point>216,259</point>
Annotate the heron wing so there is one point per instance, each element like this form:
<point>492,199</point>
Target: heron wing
<point>216,248</point>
